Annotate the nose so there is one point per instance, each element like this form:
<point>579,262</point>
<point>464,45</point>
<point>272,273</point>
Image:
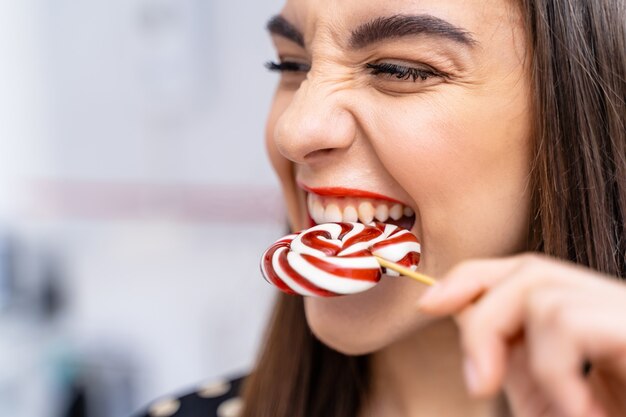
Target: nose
<point>317,122</point>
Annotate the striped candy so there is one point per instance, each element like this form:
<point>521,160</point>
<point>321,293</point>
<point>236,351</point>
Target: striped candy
<point>334,259</point>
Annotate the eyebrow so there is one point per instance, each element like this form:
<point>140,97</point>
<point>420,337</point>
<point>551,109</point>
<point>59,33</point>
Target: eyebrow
<point>278,25</point>
<point>398,26</point>
<point>382,28</point>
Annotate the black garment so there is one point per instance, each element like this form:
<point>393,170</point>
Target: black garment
<point>217,399</point>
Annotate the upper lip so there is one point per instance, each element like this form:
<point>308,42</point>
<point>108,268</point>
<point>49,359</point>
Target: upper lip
<point>347,192</point>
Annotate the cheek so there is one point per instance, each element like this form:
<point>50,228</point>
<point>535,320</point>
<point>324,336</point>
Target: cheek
<point>465,162</point>
<point>282,166</point>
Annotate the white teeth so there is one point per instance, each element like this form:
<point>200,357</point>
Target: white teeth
<point>331,210</point>
<point>350,214</point>
<point>366,212</point>
<point>382,213</point>
<point>317,214</point>
<point>332,214</point>
<point>396,212</point>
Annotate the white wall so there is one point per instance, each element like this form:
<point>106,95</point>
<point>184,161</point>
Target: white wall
<point>23,115</point>
<point>134,131</point>
<point>164,90</point>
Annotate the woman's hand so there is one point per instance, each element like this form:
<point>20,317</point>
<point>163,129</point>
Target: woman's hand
<point>529,324</point>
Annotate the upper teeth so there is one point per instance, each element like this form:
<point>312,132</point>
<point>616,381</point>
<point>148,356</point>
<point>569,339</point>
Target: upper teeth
<point>350,214</point>
<point>396,212</point>
<point>333,213</point>
<point>341,209</point>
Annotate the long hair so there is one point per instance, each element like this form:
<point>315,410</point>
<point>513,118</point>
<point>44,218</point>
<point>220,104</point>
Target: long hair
<point>578,52</point>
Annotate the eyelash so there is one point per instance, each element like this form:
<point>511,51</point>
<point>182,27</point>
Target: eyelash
<point>402,72</point>
<point>287,66</point>
<point>398,71</point>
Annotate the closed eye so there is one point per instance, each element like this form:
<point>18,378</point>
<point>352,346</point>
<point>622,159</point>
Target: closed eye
<point>402,72</point>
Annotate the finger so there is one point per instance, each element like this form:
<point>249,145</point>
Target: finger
<point>491,322</point>
<point>465,283</point>
<point>523,394</point>
<point>555,355</point>
<point>471,279</point>
<point>500,314</point>
<point>526,398</point>
<point>485,370</point>
<point>608,389</point>
<point>599,326</point>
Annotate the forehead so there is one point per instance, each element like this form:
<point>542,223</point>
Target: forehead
<point>337,18</point>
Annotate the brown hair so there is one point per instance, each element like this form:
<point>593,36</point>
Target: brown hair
<point>579,198</point>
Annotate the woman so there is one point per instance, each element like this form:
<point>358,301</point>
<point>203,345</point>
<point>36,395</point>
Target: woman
<point>500,125</point>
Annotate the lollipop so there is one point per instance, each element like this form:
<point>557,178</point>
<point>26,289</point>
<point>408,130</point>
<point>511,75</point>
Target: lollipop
<point>334,259</point>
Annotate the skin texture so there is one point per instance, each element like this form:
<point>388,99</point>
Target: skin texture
<point>457,150</point>
<point>534,323</point>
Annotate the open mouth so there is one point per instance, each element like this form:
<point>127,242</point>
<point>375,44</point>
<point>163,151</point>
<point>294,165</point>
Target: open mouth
<point>345,205</point>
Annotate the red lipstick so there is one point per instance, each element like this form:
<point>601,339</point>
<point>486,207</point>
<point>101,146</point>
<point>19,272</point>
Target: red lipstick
<point>347,192</point>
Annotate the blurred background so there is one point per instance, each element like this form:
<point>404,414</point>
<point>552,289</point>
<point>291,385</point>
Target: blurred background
<point>135,200</point>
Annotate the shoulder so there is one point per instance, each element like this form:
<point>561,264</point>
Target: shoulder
<point>213,399</point>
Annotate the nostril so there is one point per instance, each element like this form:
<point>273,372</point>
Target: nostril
<point>318,153</point>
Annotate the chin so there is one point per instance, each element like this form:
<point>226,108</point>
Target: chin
<point>370,321</point>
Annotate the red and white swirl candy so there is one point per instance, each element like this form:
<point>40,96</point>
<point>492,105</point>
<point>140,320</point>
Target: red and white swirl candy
<point>337,258</point>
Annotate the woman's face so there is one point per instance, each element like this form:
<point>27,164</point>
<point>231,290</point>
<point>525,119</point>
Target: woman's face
<point>425,103</point>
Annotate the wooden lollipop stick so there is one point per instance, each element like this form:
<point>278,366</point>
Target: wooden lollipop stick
<point>406,271</point>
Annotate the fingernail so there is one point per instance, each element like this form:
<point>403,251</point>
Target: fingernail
<point>471,376</point>
<point>431,296</point>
